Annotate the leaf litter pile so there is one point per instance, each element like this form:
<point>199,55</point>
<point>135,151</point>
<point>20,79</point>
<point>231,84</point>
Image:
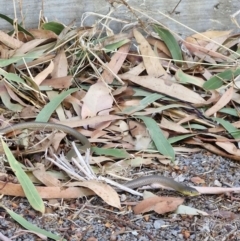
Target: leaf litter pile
<point>141,97</point>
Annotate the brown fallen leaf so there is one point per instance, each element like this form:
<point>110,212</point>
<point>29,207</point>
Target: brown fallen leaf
<point>229,147</point>
<point>206,47</point>
<point>203,39</point>
<point>212,149</point>
<point>170,125</point>
<point>39,78</point>
<point>186,234</point>
<point>97,101</point>
<point>134,58</point>
<point>158,204</point>
<point>92,239</point>
<point>106,192</point>
<point>100,159</point>
<point>197,180</point>
<point>58,83</point>
<point>160,45</point>
<point>28,112</point>
<point>26,47</point>
<point>166,87</point>
<point>42,33</point>
<point>56,139</point>
<point>187,119</point>
<point>10,41</point>
<point>120,127</point>
<point>223,101</point>
<point>36,62</point>
<point>5,87</point>
<point>90,121</point>
<point>137,129</point>
<point>219,128</point>
<point>60,65</point>
<point>151,61</point>
<point>115,64</point>
<point>45,192</point>
<point>98,133</point>
<point>45,177</point>
<point>137,70</point>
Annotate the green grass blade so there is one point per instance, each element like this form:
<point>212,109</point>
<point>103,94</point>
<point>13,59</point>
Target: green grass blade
<point>49,108</point>
<point>29,189</point>
<point>29,226</point>
<point>12,22</point>
<point>142,105</point>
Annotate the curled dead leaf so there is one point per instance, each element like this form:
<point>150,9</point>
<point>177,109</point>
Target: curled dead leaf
<point>106,192</point>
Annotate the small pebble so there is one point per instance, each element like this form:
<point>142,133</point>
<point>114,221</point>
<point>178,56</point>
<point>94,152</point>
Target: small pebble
<point>158,223</point>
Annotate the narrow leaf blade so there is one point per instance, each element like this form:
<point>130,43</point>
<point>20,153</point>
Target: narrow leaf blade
<point>30,226</point>
<point>170,41</point>
<point>160,141</point>
<point>29,189</point>
<point>233,131</point>
<point>49,108</point>
<point>218,80</point>
<point>12,22</point>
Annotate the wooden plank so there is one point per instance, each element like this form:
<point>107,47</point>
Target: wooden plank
<point>201,15</point>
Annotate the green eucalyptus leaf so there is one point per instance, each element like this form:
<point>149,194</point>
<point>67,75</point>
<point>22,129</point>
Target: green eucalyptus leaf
<point>170,41</point>
<point>160,141</point>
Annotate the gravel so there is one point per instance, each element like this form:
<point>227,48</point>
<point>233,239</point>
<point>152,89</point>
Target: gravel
<point>98,221</point>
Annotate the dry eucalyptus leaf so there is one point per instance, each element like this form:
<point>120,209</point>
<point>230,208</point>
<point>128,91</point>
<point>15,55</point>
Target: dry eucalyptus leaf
<point>26,47</point>
<point>229,147</point>
<point>160,205</point>
<point>223,101</point>
<point>137,128</point>
<point>106,192</point>
<point>38,79</point>
<point>151,61</point>
<point>166,87</point>
<point>45,177</point>
<point>58,83</point>
<point>197,180</point>
<point>41,33</point>
<point>46,192</point>
<point>115,64</point>
<point>160,45</point>
<point>60,65</point>
<point>9,41</point>
<point>97,101</point>
<point>182,209</point>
